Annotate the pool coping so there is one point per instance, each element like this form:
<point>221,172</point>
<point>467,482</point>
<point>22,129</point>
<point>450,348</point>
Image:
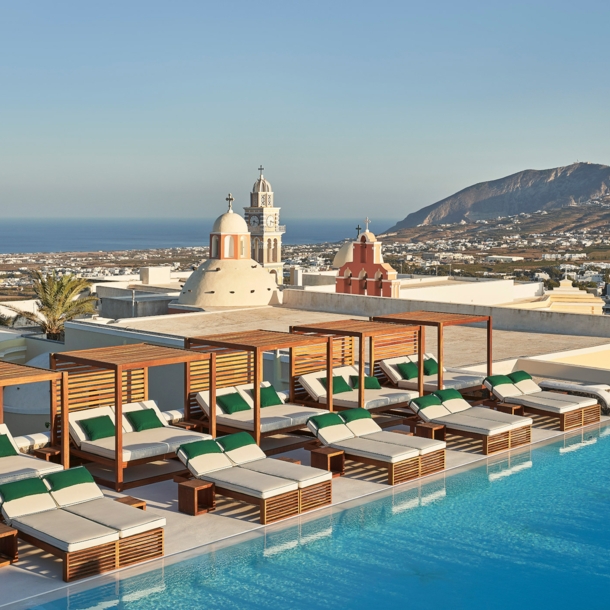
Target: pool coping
<point>260,530</point>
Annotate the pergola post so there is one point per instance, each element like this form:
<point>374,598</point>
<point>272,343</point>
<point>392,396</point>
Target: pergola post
<point>361,364</point>
<point>421,340</point>
<point>65,421</point>
<point>258,378</point>
<point>489,348</point>
<point>118,424</point>
<point>212,394</point>
<point>440,354</point>
<point>1,405</point>
<point>291,384</point>
<point>187,386</point>
<point>330,346</point>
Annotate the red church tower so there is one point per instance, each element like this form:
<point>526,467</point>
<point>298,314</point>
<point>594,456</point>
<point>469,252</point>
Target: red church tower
<point>363,271</point>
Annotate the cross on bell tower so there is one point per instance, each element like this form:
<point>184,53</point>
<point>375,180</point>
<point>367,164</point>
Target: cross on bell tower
<point>366,222</point>
<point>261,169</point>
<point>230,199</point>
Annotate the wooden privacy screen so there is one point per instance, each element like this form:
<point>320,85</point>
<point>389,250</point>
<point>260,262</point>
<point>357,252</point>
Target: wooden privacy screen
<point>399,344</point>
<point>90,387</point>
<point>233,368</point>
<point>312,358</point>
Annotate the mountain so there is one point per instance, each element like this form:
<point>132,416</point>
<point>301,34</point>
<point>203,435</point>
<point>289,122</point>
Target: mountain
<point>527,191</point>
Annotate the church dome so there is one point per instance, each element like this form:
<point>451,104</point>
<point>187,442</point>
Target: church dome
<point>344,255</point>
<point>230,223</point>
<point>262,186</point>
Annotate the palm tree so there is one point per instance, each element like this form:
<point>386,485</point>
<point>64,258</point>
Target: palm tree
<point>57,302</point>
<point>7,320</point>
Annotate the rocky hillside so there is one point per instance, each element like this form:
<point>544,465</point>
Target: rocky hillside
<point>527,191</point>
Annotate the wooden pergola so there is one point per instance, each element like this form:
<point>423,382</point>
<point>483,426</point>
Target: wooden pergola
<point>18,374</point>
<point>440,321</point>
<point>108,376</point>
<point>385,341</point>
<point>239,360</point>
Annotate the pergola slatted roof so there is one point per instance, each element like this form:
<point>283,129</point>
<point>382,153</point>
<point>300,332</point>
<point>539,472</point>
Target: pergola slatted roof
<point>257,340</point>
<point>439,320</point>
<point>362,330</point>
<point>15,374</point>
<point>351,327</point>
<point>133,356</point>
<point>431,318</point>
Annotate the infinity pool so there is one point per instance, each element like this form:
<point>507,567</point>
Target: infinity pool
<point>529,531</point>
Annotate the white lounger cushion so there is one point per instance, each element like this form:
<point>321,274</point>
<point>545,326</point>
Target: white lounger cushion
<point>551,405</point>
<point>139,406</point>
<point>422,445</point>
<point>208,462</point>
<point>433,412</point>
<point>478,425</point>
<point>528,386</point>
<point>303,475</point>
<point>245,454</point>
<point>76,431</point>
<point>64,530</point>
<point>27,505</point>
<point>251,483</point>
<point>84,492</point>
<point>498,416</point>
<point>273,418</point>
<point>5,431</point>
<point>504,390</point>
<point>361,427</point>
<point>451,380</point>
<point>311,382</point>
<point>203,399</point>
<point>334,434</point>
<point>127,520</point>
<point>172,437</point>
<point>18,467</point>
<point>456,405</point>
<point>384,452</point>
<point>136,445</point>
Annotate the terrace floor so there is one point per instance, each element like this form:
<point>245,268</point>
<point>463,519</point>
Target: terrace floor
<point>37,573</point>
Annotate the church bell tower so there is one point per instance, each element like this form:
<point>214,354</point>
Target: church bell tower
<point>263,220</point>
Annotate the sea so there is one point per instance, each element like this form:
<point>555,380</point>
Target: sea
<point>94,234</point>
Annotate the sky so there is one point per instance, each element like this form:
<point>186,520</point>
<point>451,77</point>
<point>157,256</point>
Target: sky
<point>159,109</point>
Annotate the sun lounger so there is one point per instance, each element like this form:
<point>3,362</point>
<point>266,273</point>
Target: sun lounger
<point>403,463</point>
<point>452,378</point>
<point>240,469</point>
<point>66,515</point>
<point>599,391</point>
<point>431,451</point>
<point>498,431</point>
<point>15,466</point>
<point>518,388</point>
<point>382,399</point>
<point>158,442</point>
<point>284,417</point>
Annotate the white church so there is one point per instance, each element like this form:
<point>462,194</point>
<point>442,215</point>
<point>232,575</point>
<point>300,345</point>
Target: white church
<point>245,263</point>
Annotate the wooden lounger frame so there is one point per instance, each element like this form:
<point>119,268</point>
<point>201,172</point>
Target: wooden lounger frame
<point>498,442</point>
<point>111,376</point>
<point>577,418</point>
<point>105,557</point>
<point>384,341</point>
<point>439,321</point>
<point>239,360</point>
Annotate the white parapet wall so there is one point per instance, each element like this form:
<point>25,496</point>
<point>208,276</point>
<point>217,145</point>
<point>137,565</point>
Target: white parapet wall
<point>504,318</point>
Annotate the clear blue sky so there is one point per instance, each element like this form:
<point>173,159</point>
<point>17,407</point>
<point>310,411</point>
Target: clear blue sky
<point>354,108</point>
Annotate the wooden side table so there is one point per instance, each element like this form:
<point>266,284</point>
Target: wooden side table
<point>131,501</point>
<point>430,430</point>
<point>49,454</point>
<point>196,497</point>
<point>9,546</point>
<point>327,458</point>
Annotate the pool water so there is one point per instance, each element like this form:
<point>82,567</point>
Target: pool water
<point>529,531</point>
